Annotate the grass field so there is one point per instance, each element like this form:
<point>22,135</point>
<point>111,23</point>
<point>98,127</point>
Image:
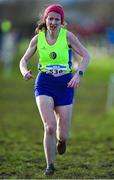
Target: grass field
<point>90,153</point>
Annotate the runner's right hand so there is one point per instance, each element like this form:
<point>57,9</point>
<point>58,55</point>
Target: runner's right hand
<point>28,75</point>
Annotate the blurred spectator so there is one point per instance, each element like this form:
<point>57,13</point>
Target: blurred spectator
<point>7,46</point>
<point>110,39</point>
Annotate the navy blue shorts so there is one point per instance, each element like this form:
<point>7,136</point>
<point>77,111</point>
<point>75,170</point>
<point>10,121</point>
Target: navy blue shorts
<point>56,87</point>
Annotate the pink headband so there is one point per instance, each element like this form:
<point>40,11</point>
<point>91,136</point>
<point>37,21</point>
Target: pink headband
<point>55,8</point>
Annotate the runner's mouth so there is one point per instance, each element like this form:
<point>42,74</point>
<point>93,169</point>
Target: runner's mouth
<point>53,27</point>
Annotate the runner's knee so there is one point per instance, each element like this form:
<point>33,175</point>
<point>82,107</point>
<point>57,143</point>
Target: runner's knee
<point>50,129</point>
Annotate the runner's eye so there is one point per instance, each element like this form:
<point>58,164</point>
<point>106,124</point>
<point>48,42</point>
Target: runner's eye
<point>57,19</point>
<point>51,19</point>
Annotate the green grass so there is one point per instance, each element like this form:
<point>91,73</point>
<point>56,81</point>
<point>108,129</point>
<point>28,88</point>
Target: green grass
<point>90,153</point>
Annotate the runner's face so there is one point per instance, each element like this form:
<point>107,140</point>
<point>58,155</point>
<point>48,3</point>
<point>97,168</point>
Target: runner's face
<point>53,21</point>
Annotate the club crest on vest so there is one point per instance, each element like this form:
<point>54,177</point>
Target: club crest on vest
<point>53,55</point>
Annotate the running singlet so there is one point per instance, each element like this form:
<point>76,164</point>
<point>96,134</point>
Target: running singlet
<point>54,58</point>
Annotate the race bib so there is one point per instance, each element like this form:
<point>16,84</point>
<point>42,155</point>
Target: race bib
<point>56,69</point>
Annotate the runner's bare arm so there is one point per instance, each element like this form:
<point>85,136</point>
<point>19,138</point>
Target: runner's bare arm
<point>28,54</point>
<point>80,49</point>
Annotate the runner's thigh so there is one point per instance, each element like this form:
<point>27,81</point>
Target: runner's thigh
<point>46,108</point>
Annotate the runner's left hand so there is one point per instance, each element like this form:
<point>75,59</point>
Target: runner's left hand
<point>74,82</point>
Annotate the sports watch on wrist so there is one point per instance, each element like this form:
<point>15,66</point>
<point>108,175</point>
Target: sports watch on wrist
<point>80,73</point>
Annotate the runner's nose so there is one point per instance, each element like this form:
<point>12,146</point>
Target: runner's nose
<point>53,22</point>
